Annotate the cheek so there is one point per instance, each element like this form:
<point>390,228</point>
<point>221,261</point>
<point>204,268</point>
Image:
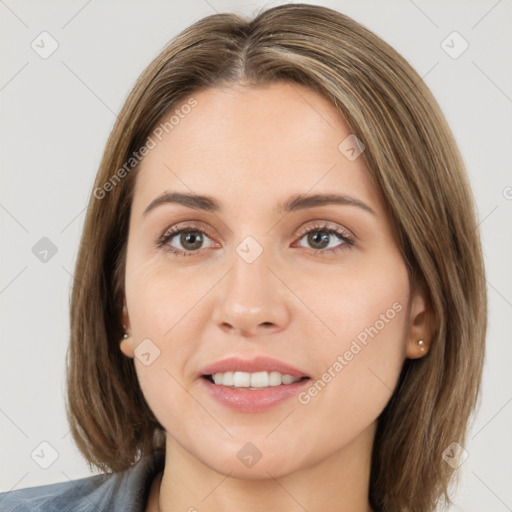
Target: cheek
<point>159,297</point>
<point>361,362</point>
<point>157,313</point>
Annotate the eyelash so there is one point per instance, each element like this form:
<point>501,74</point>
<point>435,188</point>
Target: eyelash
<point>327,227</point>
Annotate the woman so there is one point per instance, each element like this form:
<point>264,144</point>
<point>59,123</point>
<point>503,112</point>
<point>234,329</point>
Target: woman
<point>279,298</point>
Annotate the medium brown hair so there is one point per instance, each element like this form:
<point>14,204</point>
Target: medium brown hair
<point>412,158</point>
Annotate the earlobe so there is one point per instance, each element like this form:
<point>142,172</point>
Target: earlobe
<point>420,321</point>
<point>127,346</point>
<point>127,343</point>
<point>416,349</point>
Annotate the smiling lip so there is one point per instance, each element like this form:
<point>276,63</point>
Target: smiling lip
<point>247,399</point>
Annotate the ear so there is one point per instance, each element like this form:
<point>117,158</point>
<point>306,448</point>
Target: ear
<point>127,345</point>
<point>421,317</point>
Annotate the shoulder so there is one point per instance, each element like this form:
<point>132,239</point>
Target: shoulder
<point>61,496</point>
<point>126,491</point>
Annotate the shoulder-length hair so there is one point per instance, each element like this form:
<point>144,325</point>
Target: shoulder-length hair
<point>411,156</point>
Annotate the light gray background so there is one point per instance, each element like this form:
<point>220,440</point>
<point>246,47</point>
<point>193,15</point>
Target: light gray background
<point>57,114</point>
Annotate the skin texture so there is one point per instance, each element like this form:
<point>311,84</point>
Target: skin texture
<point>252,148</point>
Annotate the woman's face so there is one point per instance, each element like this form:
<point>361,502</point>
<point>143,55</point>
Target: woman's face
<point>264,276</point>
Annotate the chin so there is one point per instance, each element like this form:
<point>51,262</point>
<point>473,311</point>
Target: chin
<point>268,466</point>
<point>252,457</point>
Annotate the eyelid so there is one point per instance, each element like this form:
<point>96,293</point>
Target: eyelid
<point>324,224</point>
<point>190,225</point>
<point>305,228</point>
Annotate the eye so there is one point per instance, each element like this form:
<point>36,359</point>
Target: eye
<point>326,238</point>
<point>188,240</point>
<point>183,240</point>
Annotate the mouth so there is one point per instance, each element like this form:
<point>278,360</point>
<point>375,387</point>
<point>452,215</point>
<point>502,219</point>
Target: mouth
<point>252,385</point>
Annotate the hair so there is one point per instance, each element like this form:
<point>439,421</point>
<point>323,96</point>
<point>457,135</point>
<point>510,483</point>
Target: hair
<point>412,158</point>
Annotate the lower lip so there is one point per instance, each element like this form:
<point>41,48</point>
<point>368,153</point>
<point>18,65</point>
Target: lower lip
<point>253,400</point>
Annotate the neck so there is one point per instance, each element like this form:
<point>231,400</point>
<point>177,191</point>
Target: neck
<point>339,482</point>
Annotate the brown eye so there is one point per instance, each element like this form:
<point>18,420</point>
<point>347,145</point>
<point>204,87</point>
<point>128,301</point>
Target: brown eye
<point>183,240</point>
<point>318,239</point>
<point>325,239</point>
<point>190,240</point>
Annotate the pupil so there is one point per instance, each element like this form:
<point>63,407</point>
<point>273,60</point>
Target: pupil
<point>319,237</point>
<point>193,238</point>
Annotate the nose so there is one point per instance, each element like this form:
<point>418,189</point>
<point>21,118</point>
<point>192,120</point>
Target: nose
<point>251,300</point>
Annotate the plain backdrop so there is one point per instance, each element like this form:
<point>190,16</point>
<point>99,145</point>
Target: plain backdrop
<point>57,111</point>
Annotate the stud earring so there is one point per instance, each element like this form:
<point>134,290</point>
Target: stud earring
<point>125,336</point>
<point>421,343</point>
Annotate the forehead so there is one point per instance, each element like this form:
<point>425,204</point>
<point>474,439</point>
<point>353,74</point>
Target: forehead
<point>243,144</point>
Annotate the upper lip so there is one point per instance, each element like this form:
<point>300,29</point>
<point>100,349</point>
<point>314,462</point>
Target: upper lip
<point>253,365</point>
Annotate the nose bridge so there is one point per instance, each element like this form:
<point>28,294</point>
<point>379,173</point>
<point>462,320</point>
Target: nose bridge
<point>251,299</point>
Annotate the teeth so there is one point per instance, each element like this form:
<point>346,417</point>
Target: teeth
<point>252,380</point>
<point>288,379</point>
<point>274,378</point>
<point>259,380</point>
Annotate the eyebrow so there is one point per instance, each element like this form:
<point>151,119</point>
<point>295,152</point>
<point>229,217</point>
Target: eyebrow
<point>294,203</point>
